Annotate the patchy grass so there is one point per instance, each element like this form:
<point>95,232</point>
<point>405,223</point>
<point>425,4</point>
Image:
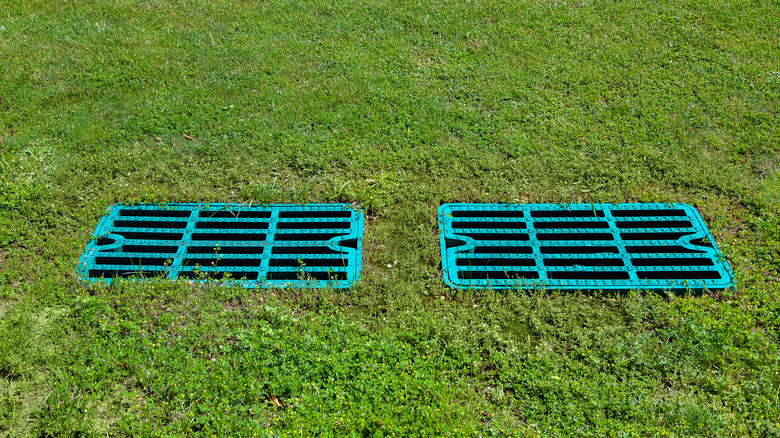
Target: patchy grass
<point>397,108</point>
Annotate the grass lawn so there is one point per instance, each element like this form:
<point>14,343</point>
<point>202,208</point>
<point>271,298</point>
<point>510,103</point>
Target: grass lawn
<point>397,107</point>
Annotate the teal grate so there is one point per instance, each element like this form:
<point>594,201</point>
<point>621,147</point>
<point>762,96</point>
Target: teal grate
<point>579,246</point>
<point>315,245</point>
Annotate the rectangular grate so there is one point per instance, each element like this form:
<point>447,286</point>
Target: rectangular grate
<point>315,245</point>
<point>579,246</point>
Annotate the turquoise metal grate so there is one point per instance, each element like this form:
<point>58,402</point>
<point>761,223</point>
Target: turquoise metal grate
<point>579,246</point>
<point>315,245</point>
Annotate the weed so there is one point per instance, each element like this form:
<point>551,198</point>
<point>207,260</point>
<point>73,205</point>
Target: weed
<point>16,343</point>
<point>10,405</point>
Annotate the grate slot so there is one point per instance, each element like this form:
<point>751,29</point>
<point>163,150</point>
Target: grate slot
<point>498,275</point>
<point>483,214</point>
<point>495,262</point>
<point>150,224</point>
<point>676,261</point>
<point>491,224</point>
<point>653,224</point>
<point>224,261</point>
<point>449,243</point>
<point>160,249</point>
<point>574,236</point>
<point>312,225</point>
<point>315,214</point>
<point>497,236</point>
<point>649,213</point>
<point>138,261</point>
<point>652,236</point>
<point>679,275</point>
<point>661,249</point>
<point>579,246</point>
<point>579,250</point>
<point>224,237</point>
<point>234,214</point>
<point>588,275</point>
<point>154,213</point>
<point>570,225</point>
<point>249,246</point>
<point>308,263</point>
<point>316,275</point>
<point>702,241</point>
<point>503,250</point>
<point>309,237</point>
<point>232,225</point>
<point>563,214</point>
<point>583,262</point>
<point>219,275</point>
<point>303,250</point>
<point>117,273</point>
<point>132,235</point>
<point>225,250</point>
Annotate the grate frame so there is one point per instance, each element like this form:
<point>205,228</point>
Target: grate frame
<point>611,247</point>
<point>261,246</point>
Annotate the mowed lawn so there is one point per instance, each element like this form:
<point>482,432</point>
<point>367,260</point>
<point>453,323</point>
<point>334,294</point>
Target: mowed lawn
<point>397,107</point>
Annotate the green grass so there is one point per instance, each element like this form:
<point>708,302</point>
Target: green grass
<point>398,107</point>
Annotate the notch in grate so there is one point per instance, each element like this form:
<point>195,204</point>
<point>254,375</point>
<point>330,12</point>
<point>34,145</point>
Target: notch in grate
<point>579,246</point>
<point>316,245</point>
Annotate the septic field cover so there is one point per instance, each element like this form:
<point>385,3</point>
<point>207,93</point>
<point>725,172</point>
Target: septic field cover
<point>316,245</point>
<point>396,109</point>
<point>612,247</point>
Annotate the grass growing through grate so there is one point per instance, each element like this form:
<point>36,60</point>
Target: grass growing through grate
<point>398,108</point>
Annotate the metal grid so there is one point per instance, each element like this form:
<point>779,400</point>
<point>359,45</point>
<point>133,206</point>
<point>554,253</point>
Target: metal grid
<point>316,245</point>
<point>579,246</point>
